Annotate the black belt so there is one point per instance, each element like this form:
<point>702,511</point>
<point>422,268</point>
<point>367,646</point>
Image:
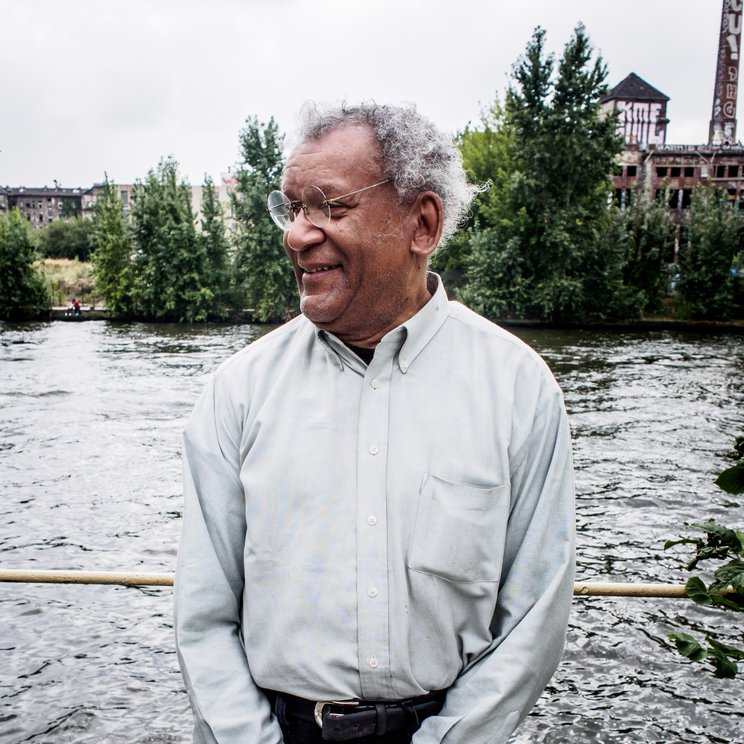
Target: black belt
<point>346,720</point>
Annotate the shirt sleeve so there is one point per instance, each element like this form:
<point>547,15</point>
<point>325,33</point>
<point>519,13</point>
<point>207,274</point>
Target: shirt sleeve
<point>496,691</point>
<point>227,704</point>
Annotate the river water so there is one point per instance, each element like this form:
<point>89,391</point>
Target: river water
<point>90,422</point>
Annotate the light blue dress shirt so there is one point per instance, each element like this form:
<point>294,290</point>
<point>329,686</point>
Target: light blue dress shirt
<point>376,532</point>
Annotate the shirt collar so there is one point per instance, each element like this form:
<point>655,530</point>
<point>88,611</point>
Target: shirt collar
<point>410,336</point>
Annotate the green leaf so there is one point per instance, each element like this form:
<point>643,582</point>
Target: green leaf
<point>718,534</point>
<point>688,646</point>
<point>731,651</point>
<point>731,480</point>
<point>724,667</point>
<point>716,552</point>
<point>697,591</point>
<point>684,541</point>
<point>720,541</point>
<point>739,447</point>
<point>733,602</point>
<point>732,573</point>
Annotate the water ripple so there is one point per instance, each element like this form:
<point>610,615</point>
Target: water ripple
<point>90,422</point>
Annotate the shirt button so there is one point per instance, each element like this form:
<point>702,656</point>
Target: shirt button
<point>372,663</point>
<point>404,363</point>
<point>375,384</point>
<point>372,591</point>
<point>371,520</point>
<point>374,449</point>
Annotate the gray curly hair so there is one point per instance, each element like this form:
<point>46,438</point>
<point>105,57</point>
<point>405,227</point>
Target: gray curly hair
<point>415,154</point>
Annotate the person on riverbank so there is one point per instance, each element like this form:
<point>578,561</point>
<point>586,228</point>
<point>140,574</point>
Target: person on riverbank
<point>378,533</point>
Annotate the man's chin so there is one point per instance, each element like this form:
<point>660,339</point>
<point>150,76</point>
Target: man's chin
<point>317,311</point>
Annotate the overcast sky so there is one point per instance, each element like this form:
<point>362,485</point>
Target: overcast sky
<point>94,86</point>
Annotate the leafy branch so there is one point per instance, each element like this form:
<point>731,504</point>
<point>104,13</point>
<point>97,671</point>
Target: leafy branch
<point>726,591</point>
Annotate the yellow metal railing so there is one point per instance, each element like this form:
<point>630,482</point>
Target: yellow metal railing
<point>134,578</point>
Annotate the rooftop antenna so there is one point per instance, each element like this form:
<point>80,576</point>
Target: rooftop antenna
<point>723,120</point>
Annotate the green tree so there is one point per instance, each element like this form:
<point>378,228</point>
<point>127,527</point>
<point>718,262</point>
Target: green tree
<point>71,207</point>
<point>711,239</point>
<point>545,253</point>
<point>170,266</point>
<point>646,229</point>
<point>263,272</point>
<point>486,155</point>
<point>737,310</point>
<point>112,256</point>
<point>21,284</point>
<point>67,239</point>
<point>216,249</point>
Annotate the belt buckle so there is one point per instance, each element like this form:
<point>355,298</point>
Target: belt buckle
<point>320,706</point>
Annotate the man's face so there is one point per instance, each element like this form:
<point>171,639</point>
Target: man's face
<point>357,276</point>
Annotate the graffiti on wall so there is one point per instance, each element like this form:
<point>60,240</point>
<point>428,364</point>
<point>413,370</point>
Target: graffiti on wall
<point>723,121</point>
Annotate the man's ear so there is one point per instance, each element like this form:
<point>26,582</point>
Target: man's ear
<point>428,215</point>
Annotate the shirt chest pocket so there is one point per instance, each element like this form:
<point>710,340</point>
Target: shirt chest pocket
<point>459,532</point>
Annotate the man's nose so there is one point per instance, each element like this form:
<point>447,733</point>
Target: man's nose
<point>302,233</point>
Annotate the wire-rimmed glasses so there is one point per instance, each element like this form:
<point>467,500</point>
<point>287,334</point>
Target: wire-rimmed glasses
<point>314,203</point>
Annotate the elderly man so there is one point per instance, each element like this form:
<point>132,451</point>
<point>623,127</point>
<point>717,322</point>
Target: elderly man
<point>378,532</point>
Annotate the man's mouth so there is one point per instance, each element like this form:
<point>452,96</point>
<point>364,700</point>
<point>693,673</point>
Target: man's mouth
<point>319,269</point>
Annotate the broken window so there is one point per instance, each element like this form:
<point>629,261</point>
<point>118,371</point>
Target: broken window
<point>631,171</point>
<point>689,171</point>
<point>622,198</point>
<point>720,171</point>
<point>733,171</point>
<point>661,171</point>
<point>676,172</point>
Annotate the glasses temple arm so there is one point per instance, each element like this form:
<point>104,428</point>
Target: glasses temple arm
<point>358,191</point>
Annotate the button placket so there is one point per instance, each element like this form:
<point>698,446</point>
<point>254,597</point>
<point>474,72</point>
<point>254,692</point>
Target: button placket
<point>372,571</point>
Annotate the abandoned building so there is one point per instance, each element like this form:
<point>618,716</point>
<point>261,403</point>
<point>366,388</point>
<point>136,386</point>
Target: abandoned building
<point>45,204</point>
<point>672,171</point>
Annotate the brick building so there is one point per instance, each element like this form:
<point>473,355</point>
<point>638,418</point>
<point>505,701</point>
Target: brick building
<point>673,170</point>
<point>648,162</point>
<point>42,205</point>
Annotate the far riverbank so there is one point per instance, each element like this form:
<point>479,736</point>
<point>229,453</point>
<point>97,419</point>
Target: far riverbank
<point>648,324</point>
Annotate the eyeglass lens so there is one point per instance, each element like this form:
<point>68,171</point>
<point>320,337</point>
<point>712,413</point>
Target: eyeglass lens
<point>313,202</point>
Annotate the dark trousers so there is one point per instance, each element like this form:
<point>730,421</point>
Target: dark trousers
<point>298,731</point>
<point>298,724</point>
